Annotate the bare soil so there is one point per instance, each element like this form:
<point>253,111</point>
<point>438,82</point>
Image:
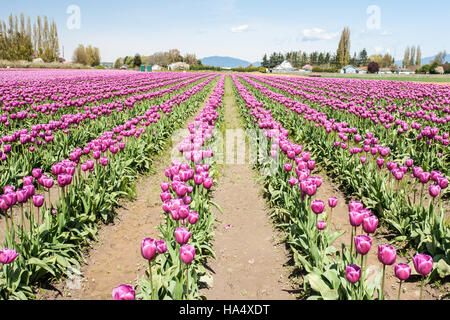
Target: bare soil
<point>250,255</point>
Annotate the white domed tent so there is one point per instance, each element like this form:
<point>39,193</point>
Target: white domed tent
<point>285,66</point>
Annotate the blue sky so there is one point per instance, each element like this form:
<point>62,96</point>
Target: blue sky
<point>244,29</point>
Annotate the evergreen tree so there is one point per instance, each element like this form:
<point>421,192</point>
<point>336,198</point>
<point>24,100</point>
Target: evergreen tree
<point>343,51</point>
<point>265,62</point>
<point>412,55</point>
<point>418,57</point>
<point>405,61</point>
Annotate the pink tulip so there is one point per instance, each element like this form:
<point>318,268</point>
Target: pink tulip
<point>332,202</point>
<point>148,248</point>
<point>124,292</point>
<point>363,244</point>
<point>370,224</point>
<point>434,190</point>
<point>193,217</point>
<point>161,246</point>
<point>187,253</point>
<point>208,182</point>
<point>353,273</point>
<point>317,206</point>
<point>402,271</point>
<point>321,225</point>
<point>355,206</point>
<point>387,254</point>
<point>182,235</point>
<point>423,263</point>
<point>8,255</point>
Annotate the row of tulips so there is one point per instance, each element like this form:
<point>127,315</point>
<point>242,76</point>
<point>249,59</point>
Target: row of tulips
<point>20,111</point>
<point>175,265</point>
<point>43,133</point>
<point>416,225</point>
<point>348,119</point>
<point>21,161</point>
<point>394,102</point>
<point>54,241</point>
<point>330,274</point>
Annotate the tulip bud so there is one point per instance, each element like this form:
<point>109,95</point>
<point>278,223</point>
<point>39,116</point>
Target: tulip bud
<point>187,253</point>
<point>353,273</point>
<point>370,224</point>
<point>148,248</point>
<point>182,235</point>
<point>332,202</point>
<point>317,206</point>
<point>321,225</point>
<point>8,255</point>
<point>161,246</point>
<point>402,271</point>
<point>386,254</point>
<point>363,244</point>
<point>423,263</point>
<point>123,292</point>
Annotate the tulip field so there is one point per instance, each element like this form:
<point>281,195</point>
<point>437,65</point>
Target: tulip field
<point>74,144</point>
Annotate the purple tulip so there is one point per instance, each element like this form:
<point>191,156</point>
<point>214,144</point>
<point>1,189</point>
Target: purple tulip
<point>321,225</point>
<point>161,246</point>
<point>8,255</point>
<point>434,190</point>
<point>353,273</point>
<point>317,206</point>
<point>423,263</point>
<point>187,253</point>
<point>182,235</point>
<point>38,200</point>
<point>208,182</point>
<point>402,271</point>
<point>193,217</point>
<point>148,248</point>
<point>356,218</point>
<point>363,244</point>
<point>370,224</point>
<point>387,254</point>
<point>332,202</point>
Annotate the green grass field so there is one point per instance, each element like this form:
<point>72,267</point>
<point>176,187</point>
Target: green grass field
<point>397,77</point>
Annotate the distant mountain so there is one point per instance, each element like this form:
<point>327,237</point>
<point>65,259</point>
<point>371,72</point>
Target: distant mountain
<point>226,62</point>
<point>426,60</point>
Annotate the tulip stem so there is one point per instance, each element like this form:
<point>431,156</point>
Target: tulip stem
<point>399,290</point>
<point>382,282</point>
<point>151,278</point>
<point>351,243</point>
<point>187,281</point>
<point>421,287</point>
<point>22,215</point>
<point>362,277</point>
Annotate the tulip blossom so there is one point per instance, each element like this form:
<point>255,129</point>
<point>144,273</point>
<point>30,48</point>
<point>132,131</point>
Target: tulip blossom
<point>182,235</point>
<point>363,244</point>
<point>148,248</point>
<point>124,292</point>
<point>317,206</point>
<point>423,264</point>
<point>7,256</point>
<point>402,272</point>
<point>353,273</point>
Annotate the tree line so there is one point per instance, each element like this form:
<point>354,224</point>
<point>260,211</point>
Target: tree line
<point>162,58</point>
<point>22,40</point>
<point>89,56</point>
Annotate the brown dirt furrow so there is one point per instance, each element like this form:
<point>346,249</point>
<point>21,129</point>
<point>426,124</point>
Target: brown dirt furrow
<point>250,257</point>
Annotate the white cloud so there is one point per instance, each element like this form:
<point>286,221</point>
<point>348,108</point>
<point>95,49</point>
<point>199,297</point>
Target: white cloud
<point>315,34</point>
<point>385,33</point>
<point>242,28</point>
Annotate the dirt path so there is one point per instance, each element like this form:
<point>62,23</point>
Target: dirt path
<point>250,255</point>
<point>116,258</point>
